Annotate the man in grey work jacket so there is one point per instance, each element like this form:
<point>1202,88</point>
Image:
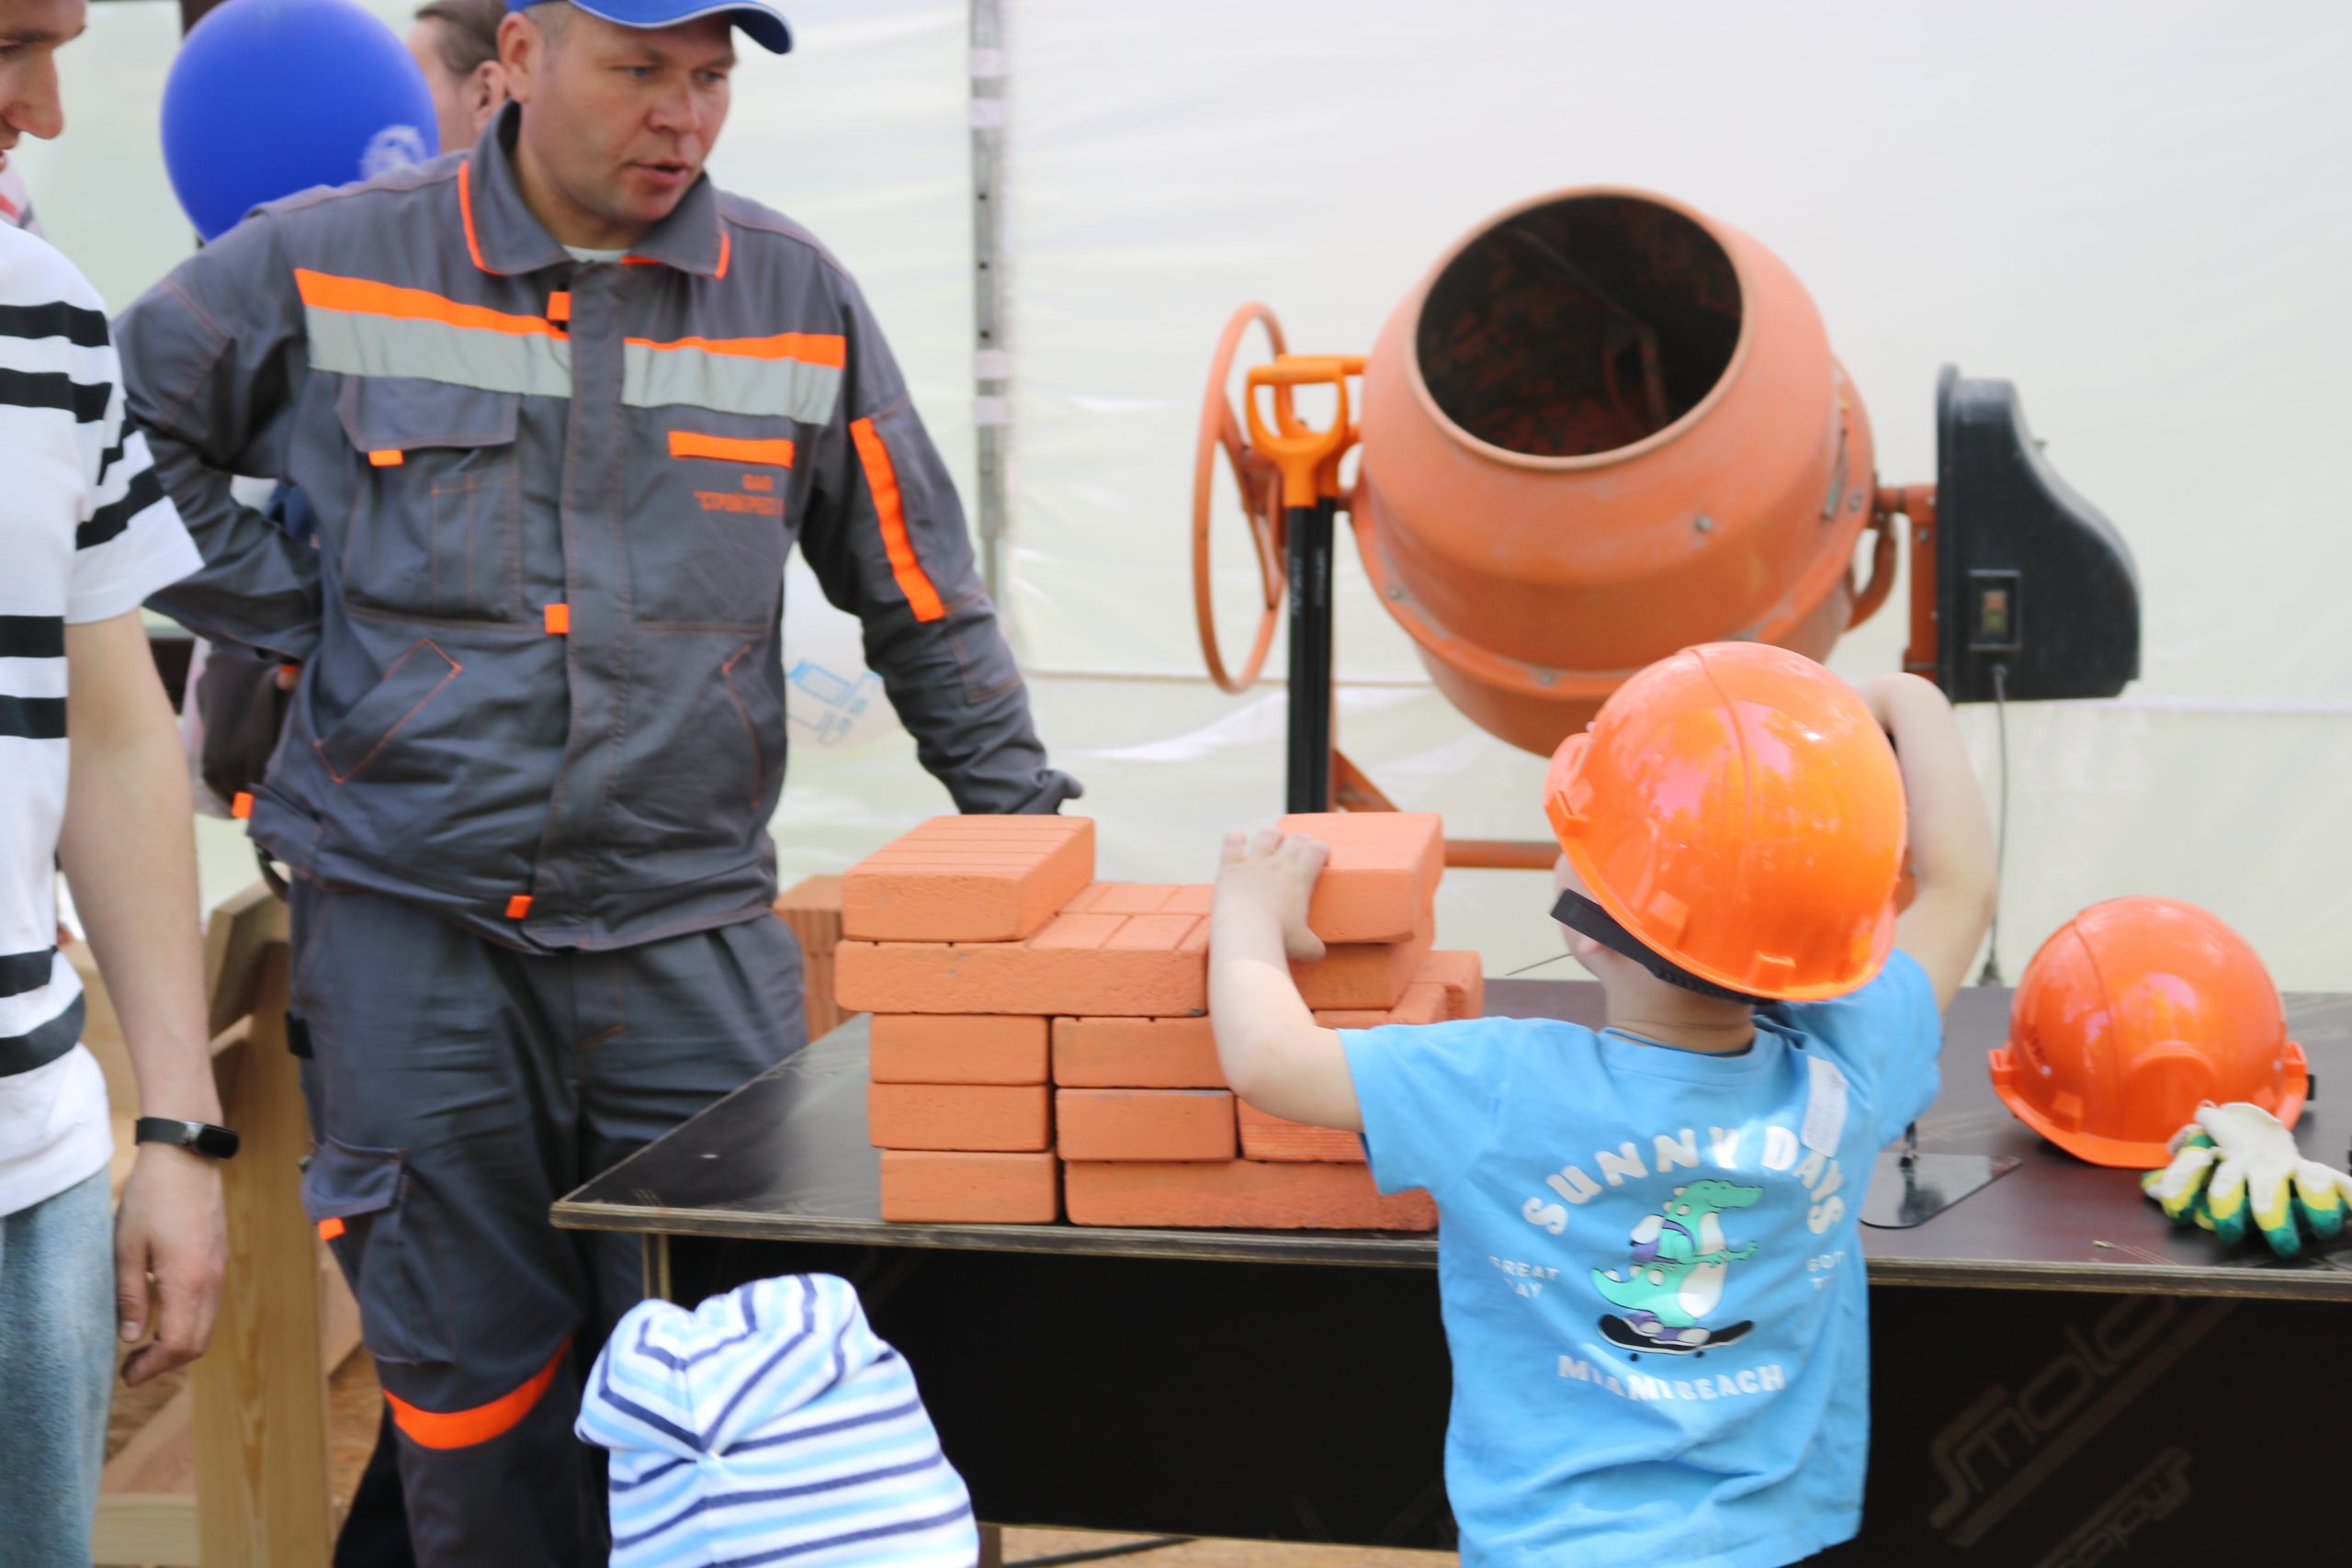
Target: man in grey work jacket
<point>561,407</point>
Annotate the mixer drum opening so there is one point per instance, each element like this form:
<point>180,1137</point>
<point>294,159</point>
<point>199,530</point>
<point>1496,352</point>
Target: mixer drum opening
<point>1579,327</point>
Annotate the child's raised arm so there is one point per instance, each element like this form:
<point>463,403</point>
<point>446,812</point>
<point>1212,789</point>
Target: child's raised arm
<point>1273,1054</point>
<point>1951,837</point>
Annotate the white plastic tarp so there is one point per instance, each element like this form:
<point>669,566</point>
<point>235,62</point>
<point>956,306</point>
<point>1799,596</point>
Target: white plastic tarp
<point>2132,210</point>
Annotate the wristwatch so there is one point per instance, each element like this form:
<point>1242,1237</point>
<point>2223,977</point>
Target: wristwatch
<point>196,1137</point>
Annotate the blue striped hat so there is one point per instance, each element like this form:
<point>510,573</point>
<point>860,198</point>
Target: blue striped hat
<point>770,1425</point>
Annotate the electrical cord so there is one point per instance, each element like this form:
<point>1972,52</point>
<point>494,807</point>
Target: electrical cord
<point>1991,975</point>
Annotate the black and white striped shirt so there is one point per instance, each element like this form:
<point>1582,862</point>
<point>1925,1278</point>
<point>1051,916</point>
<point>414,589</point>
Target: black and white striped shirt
<point>85,534</point>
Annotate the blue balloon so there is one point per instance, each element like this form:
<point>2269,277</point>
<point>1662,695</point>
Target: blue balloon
<point>268,98</point>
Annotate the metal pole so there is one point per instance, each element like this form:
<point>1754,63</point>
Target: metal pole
<point>1309,785</point>
<point>991,361</point>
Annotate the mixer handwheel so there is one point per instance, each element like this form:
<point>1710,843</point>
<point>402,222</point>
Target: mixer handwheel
<point>1262,501</point>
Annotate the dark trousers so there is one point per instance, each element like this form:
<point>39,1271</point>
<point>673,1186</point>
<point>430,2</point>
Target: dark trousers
<point>457,1088</point>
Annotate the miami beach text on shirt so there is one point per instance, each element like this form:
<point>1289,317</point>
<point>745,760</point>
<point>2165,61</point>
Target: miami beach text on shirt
<point>1780,1152</point>
<point>1768,1379</point>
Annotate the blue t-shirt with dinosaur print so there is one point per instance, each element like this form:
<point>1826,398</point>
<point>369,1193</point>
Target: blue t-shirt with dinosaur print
<point>1650,1270</point>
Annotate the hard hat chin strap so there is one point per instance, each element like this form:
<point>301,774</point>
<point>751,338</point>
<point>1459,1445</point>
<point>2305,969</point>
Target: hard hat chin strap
<point>1583,916</point>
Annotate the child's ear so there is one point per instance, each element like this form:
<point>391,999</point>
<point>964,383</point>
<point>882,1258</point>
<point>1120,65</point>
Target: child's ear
<point>1580,946</point>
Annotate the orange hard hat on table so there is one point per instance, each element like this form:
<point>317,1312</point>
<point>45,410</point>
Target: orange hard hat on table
<point>2137,1011</point>
<point>1737,810</point>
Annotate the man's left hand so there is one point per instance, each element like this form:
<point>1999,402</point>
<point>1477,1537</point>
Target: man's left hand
<point>172,1226</point>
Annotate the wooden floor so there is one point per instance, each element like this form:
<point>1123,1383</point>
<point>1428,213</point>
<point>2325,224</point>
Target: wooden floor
<point>354,1407</point>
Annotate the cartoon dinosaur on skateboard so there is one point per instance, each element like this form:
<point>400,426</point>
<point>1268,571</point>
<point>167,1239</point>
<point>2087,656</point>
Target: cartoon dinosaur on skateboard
<point>1677,1275</point>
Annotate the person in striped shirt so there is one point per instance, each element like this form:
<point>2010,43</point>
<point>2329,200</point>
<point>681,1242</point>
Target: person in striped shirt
<point>90,773</point>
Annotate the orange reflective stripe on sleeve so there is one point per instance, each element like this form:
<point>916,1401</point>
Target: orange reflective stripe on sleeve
<point>329,1227</point>
<point>883,479</point>
<point>730,448</point>
<point>465,1428</point>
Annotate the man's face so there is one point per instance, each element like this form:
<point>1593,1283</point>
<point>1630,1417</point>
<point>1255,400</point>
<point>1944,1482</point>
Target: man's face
<point>31,32</point>
<point>618,121</point>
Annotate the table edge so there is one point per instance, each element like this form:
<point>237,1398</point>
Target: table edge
<point>1417,1251</point>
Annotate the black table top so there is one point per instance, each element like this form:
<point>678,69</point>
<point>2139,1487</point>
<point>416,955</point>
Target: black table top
<point>785,1158</point>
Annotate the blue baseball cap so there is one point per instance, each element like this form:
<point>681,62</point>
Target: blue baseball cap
<point>761,22</point>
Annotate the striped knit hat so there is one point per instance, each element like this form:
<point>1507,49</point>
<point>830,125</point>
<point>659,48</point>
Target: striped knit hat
<point>770,1425</point>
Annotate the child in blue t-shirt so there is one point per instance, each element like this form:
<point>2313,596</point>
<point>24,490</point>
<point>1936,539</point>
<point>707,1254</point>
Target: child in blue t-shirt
<point>1648,1261</point>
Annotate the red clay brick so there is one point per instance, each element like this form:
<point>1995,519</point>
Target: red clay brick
<point>946,1047</point>
<point>1238,1194</point>
<point>1135,1053</point>
<point>812,907</point>
<point>969,879</point>
<point>1111,966</point>
<point>1143,1124</point>
<point>1424,1002</point>
<point>1381,878</point>
<point>961,1188</point>
<point>1011,1118</point>
<point>1181,1053</point>
<point>1265,1136</point>
<point>1464,976</point>
<point>1368,976</point>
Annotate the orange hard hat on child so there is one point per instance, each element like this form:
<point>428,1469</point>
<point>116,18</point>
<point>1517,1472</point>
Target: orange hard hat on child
<point>2136,1012</point>
<point>1735,810</point>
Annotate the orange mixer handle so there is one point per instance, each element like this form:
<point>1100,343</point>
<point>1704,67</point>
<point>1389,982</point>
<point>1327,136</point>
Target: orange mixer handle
<point>1307,458</point>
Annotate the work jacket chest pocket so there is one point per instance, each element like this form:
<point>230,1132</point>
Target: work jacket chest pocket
<point>436,527</point>
<point>707,530</point>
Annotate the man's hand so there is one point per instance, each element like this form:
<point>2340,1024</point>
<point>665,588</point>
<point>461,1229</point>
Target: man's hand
<point>171,1225</point>
<point>129,856</point>
<point>1275,873</point>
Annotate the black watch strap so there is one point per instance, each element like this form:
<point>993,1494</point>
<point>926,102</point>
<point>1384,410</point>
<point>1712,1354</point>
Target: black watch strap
<point>196,1137</point>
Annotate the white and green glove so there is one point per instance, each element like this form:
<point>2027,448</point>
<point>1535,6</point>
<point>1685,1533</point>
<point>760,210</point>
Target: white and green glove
<point>2238,1160</point>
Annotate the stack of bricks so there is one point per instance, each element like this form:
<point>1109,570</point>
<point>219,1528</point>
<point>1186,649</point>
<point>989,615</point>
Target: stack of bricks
<point>1042,1039</point>
<point>812,908</point>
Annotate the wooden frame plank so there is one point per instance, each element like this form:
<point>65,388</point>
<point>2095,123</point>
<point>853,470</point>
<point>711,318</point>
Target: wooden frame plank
<point>260,1440</point>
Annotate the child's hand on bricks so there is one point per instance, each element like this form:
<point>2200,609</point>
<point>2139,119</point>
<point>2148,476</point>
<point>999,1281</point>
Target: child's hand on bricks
<point>1274,872</point>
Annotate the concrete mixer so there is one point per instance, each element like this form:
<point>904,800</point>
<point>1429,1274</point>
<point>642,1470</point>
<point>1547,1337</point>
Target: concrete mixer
<point>1603,427</point>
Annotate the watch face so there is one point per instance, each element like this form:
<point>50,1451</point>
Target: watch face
<point>218,1143</point>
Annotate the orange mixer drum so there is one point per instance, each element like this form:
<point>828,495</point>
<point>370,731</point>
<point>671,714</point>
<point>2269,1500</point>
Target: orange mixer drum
<point>1605,427</point>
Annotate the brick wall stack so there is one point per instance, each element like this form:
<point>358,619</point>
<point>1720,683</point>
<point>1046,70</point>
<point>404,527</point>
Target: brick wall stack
<point>1041,1041</point>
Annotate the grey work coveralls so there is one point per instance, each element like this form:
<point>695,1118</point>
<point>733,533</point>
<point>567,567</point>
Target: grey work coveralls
<point>540,730</point>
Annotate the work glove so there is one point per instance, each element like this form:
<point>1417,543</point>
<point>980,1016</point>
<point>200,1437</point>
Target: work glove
<point>2236,1162</point>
